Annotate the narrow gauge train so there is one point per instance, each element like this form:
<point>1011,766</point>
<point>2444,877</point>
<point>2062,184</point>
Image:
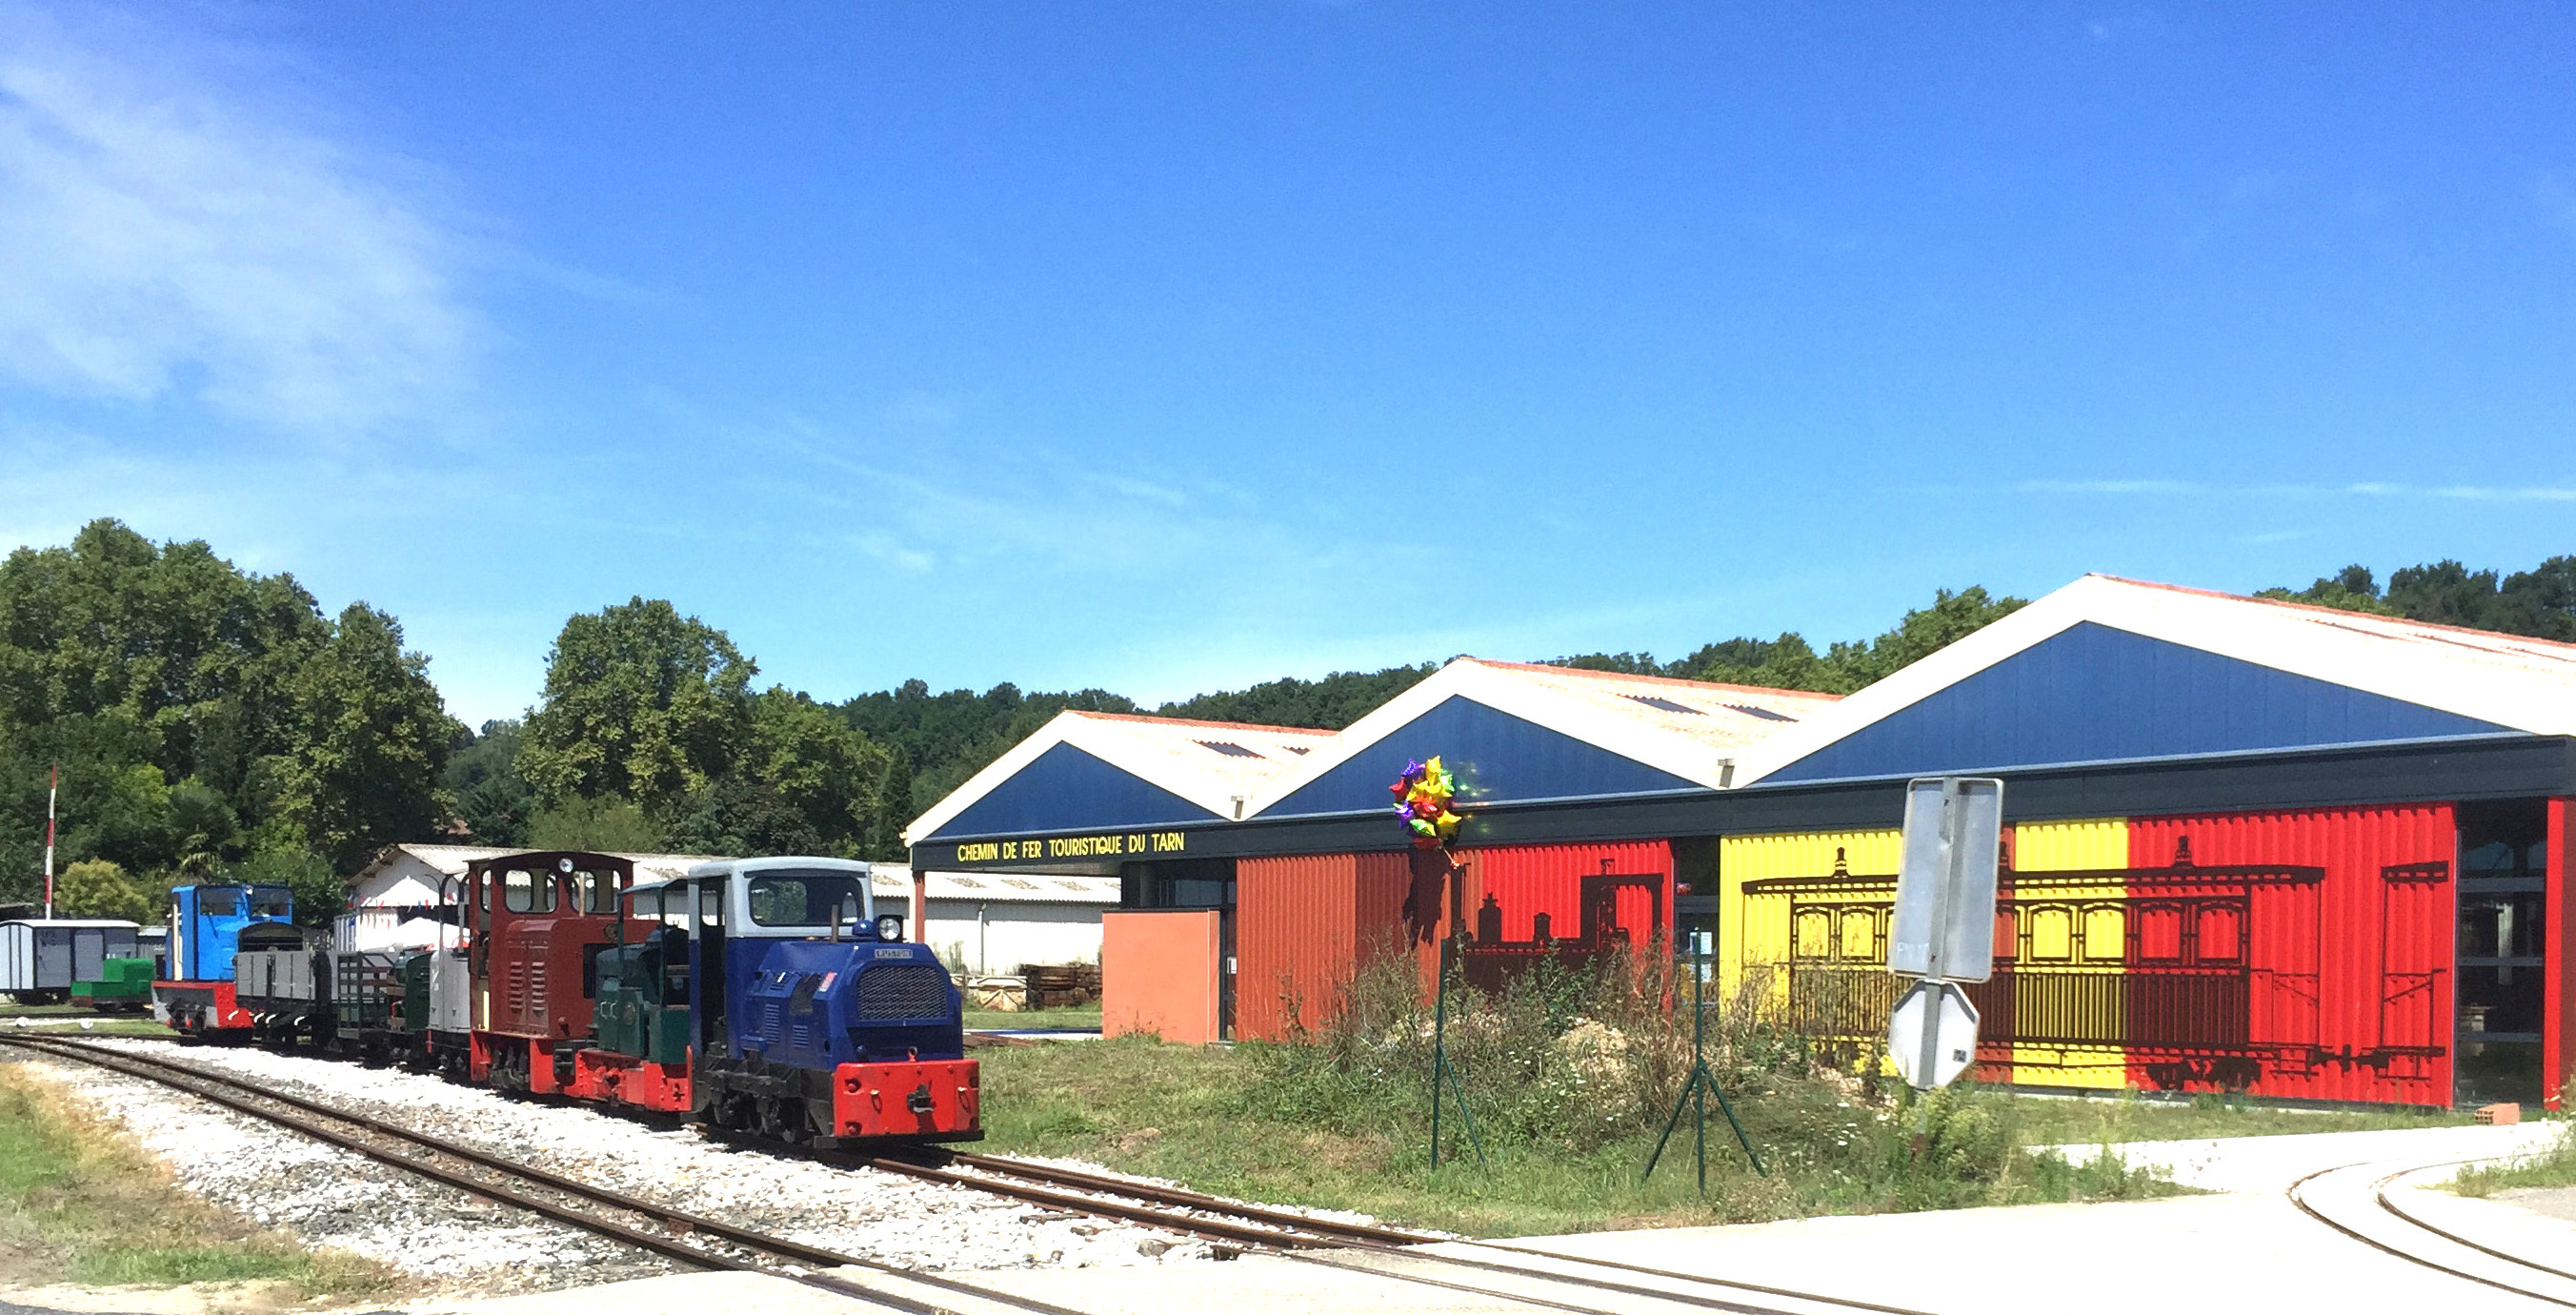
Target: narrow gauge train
<point>759,995</point>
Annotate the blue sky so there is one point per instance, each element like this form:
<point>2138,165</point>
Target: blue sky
<point>1165,348</point>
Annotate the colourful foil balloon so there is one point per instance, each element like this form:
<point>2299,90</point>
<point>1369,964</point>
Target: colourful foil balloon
<point>1423,795</point>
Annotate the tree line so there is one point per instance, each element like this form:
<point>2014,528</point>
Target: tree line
<point>214,722</point>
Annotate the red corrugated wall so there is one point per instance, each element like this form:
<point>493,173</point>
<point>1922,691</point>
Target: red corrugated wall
<point>1299,926</point>
<point>1529,879</point>
<point>1301,923</point>
<point>2349,996</point>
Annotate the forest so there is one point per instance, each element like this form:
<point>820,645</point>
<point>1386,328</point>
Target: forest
<point>208,721</point>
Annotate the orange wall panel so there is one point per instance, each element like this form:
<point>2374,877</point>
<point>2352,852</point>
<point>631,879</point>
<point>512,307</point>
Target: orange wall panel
<point>1159,974</point>
<point>1301,925</point>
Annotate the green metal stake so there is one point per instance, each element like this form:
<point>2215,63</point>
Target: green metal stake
<point>1444,1079</point>
<point>1700,1087</point>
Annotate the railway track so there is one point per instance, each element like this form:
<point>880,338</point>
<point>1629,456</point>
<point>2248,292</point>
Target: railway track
<point>2390,1228</point>
<point>1306,1235</point>
<point>1559,1281</point>
<point>681,1235</point>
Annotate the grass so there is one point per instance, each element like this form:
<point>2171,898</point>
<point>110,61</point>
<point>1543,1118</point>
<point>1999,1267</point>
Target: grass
<point>80,1202</point>
<point>2128,1117</point>
<point>997,1018</point>
<point>2551,1166</point>
<point>111,1025</point>
<point>1239,1122</point>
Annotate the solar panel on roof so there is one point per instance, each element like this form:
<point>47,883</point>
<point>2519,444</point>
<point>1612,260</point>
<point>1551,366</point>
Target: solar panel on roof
<point>1666,704</point>
<point>1226,747</point>
<point>1298,750</point>
<point>1764,713</point>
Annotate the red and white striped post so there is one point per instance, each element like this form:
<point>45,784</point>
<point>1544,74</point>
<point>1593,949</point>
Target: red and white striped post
<point>53,785</point>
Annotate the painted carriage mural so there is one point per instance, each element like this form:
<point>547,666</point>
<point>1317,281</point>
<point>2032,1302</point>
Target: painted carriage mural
<point>2294,955</point>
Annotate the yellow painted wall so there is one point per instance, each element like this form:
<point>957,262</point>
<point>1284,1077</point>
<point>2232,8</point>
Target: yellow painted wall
<point>1745,937</point>
<point>2072,847</point>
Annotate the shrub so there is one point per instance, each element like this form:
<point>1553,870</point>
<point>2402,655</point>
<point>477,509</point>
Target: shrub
<point>97,888</point>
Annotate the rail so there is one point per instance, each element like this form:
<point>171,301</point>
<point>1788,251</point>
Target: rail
<point>308,1119</point>
<point>1293,1235</point>
<point>2298,1193</point>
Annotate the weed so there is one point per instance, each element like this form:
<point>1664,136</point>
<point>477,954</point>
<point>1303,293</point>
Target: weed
<point>1570,1069</point>
<point>2553,1165</point>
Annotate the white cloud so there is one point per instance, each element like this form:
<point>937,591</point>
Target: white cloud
<point>2370,489</point>
<point>162,229</point>
<point>2466,492</point>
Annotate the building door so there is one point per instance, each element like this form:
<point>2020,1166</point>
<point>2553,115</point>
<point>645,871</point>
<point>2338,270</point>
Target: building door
<point>1207,883</point>
<point>2503,948</point>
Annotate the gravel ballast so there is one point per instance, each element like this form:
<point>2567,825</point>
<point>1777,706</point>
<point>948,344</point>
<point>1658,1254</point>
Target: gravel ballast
<point>334,1198</point>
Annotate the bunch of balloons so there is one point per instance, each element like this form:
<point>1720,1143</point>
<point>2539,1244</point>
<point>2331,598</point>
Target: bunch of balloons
<point>1422,798</point>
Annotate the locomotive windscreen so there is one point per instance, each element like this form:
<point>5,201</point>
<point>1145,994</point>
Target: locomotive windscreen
<point>806,899</point>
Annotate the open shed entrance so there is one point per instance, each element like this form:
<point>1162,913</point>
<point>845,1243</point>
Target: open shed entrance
<point>2503,950</point>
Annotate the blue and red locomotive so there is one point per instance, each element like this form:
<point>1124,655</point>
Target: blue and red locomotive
<point>765,996</point>
<point>210,927</point>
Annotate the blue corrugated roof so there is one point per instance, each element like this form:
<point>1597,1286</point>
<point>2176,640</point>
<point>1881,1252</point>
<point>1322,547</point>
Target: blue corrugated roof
<point>1496,757</point>
<point>2093,693</point>
<point>1066,789</point>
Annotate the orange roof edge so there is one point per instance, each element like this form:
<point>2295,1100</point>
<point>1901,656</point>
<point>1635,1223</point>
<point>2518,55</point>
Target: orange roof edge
<point>2338,613</point>
<point>1193,721</point>
<point>1589,672</point>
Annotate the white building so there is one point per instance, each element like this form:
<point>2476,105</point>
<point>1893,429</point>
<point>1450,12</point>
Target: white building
<point>391,899</point>
<point>987,922</point>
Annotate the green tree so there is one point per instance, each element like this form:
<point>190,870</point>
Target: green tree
<point>1328,704</point>
<point>1953,616</point>
<point>321,893</point>
<point>371,741</point>
<point>493,799</point>
<point>808,783</point>
<point>2352,589</point>
<point>607,826</point>
<point>640,703</point>
<point>942,739</point>
<point>819,765</point>
<point>2540,603</point>
<point>1788,662</point>
<point>197,712</point>
<point>96,888</point>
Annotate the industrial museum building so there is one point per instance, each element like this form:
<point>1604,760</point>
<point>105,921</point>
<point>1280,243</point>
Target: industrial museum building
<point>2251,846</point>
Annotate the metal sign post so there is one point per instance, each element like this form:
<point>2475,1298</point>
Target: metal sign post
<point>1444,1079</point>
<point>1944,927</point>
<point>1702,1084</point>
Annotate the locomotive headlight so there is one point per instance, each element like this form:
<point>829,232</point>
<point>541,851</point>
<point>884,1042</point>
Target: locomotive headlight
<point>889,927</point>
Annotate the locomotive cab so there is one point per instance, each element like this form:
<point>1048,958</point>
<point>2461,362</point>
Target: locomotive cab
<point>535,924</point>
